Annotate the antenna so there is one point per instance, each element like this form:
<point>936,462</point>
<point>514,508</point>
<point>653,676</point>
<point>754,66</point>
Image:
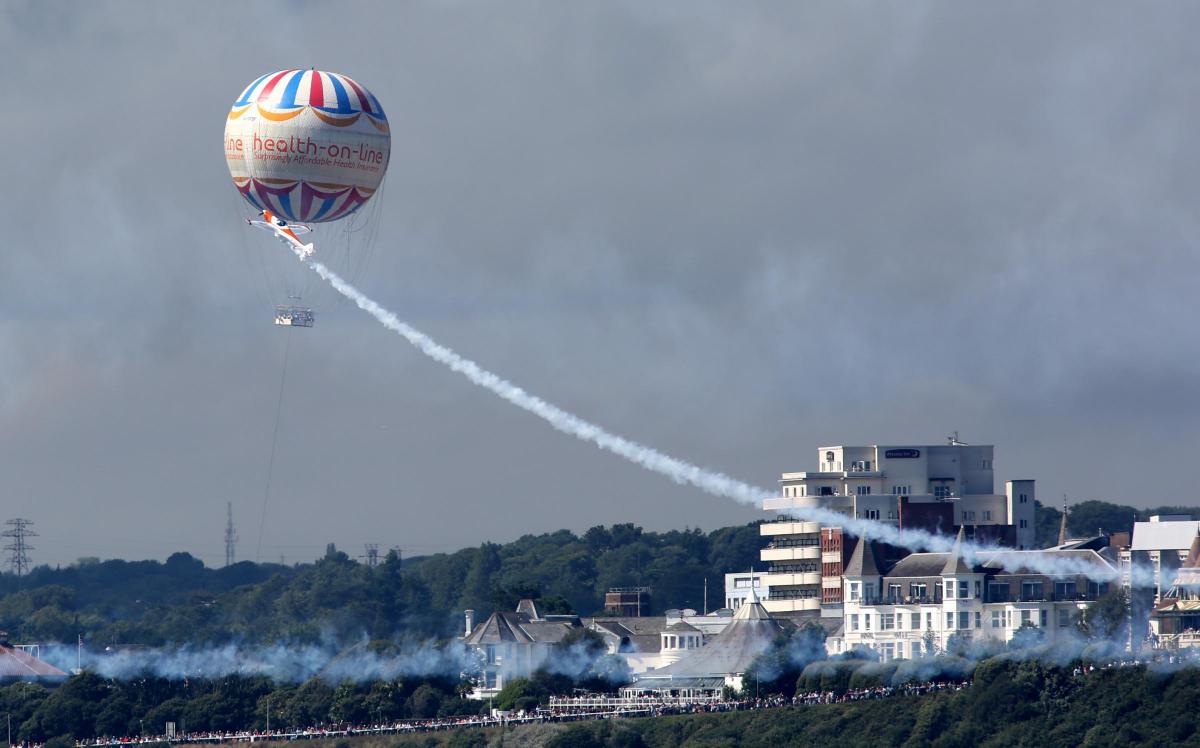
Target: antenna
<point>230,534</point>
<point>18,560</point>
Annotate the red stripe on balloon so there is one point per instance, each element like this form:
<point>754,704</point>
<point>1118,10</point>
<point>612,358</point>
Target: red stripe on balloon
<point>266,92</point>
<point>316,93</point>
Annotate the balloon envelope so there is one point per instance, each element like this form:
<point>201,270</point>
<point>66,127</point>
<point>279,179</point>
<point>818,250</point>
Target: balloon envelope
<point>307,145</point>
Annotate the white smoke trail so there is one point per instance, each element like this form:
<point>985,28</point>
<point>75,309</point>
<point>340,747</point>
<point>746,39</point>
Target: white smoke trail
<point>685,473</point>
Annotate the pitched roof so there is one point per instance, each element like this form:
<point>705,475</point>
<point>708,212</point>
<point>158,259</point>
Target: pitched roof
<point>17,663</point>
<point>749,634</point>
<point>681,626</point>
<point>1018,562</point>
<point>863,562</point>
<point>955,563</point>
<point>920,565</point>
<point>501,627</point>
<point>1193,557</point>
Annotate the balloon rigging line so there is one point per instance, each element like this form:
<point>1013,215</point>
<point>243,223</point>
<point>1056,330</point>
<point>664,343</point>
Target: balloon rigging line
<point>287,349</point>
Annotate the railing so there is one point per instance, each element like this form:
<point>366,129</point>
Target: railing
<point>901,600</point>
<point>778,594</point>
<point>1041,597</point>
<point>794,569</point>
<point>795,543</point>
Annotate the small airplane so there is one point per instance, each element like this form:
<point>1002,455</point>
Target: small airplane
<point>287,233</point>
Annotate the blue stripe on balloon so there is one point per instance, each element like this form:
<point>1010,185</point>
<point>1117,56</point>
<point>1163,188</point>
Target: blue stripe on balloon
<point>245,97</point>
<point>342,99</point>
<point>289,93</point>
<point>285,202</point>
<point>326,204</point>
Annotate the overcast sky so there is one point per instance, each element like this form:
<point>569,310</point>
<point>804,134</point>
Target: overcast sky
<point>736,232</point>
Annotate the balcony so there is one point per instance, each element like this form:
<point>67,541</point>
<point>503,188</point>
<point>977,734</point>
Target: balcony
<point>805,578</point>
<point>1042,597</point>
<point>789,606</point>
<point>794,553</point>
<point>789,527</point>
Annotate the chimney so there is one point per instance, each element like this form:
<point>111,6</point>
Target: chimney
<point>470,622</point>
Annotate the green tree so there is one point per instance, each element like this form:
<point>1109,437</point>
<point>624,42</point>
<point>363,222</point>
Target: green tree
<point>1106,619</point>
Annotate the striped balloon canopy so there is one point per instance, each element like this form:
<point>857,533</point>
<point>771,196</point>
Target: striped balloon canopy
<point>307,145</point>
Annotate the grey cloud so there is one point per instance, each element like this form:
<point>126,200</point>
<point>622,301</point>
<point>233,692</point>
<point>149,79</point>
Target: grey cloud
<point>731,232</point>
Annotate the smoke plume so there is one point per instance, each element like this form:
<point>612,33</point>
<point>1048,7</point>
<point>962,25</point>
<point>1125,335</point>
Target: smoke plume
<point>679,471</point>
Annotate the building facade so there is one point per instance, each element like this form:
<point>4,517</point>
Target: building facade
<point>738,587</point>
<point>940,488</point>
<point>513,644</point>
<point>913,607</point>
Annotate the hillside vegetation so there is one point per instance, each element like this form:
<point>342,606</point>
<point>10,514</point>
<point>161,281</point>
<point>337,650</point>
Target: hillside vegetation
<point>338,600</point>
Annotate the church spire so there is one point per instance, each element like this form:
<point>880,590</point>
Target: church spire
<point>1062,527</point>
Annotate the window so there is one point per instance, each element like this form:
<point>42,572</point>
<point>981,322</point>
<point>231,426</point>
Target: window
<point>489,680</point>
<point>1042,623</point>
<point>949,620</point>
<point>853,591</point>
<point>867,621</point>
<point>978,620</point>
<point>869,514</point>
<point>997,619</point>
<point>963,592</point>
<point>941,492</point>
<point>916,621</point>
<point>804,490</point>
<point>901,490</point>
<point>1064,618</point>
<point>978,588</point>
<point>887,621</point>
<point>964,619</point>
<point>998,592</point>
<point>987,464</point>
<point>854,622</point>
<point>969,516</point>
<point>1031,590</point>
<point>949,590</point>
<point>1024,523</point>
<point>1023,498</point>
<point>1026,617</point>
<point>491,654</point>
<point>829,457</point>
<point>826,491</point>
<point>894,592</point>
<point>987,515</point>
<point>917,591</point>
<point>1064,590</point>
<point>892,514</point>
<point>862,490</point>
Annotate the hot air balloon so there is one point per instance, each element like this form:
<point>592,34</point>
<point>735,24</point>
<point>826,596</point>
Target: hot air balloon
<point>307,147</point>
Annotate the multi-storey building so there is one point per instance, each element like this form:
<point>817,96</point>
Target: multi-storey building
<point>912,608</point>
<point>940,488</point>
<point>1160,547</point>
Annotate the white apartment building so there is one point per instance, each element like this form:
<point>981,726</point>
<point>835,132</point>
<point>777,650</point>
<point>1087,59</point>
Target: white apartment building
<point>934,487</point>
<point>916,606</point>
